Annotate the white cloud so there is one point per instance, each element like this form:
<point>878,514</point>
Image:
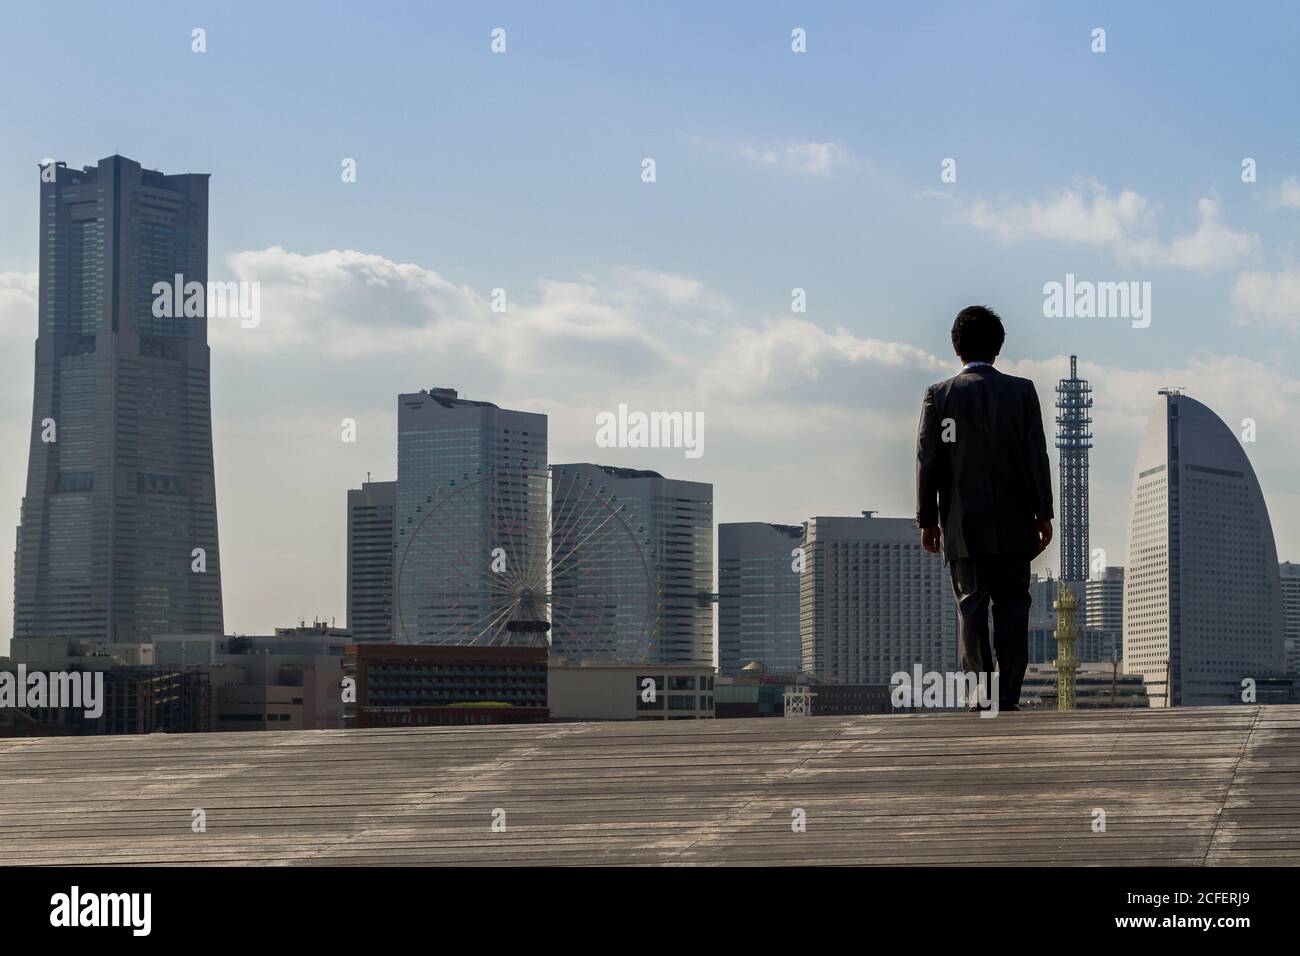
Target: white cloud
<point>1092,217</point>
<point>18,296</point>
<point>1268,298</point>
<point>795,355</point>
<point>349,303</point>
<point>801,419</point>
<point>1213,245</point>
<point>1125,224</point>
<point>803,157</point>
<point>1288,194</point>
<point>343,302</point>
<point>816,158</point>
<point>678,290</point>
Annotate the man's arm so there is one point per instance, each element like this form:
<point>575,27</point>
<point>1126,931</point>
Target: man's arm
<point>1039,471</point>
<point>1038,467</point>
<point>930,464</point>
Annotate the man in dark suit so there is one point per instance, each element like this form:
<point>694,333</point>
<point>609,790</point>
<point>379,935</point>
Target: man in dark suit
<point>984,489</point>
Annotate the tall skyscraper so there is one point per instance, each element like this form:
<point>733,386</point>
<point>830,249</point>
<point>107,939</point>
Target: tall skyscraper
<point>1202,593</point>
<point>1291,614</point>
<point>1105,606</point>
<point>622,537</point>
<point>872,602</point>
<point>118,530</point>
<point>471,522</point>
<point>1073,440</point>
<point>1043,592</point>
<point>758,596</point>
<point>371,510</point>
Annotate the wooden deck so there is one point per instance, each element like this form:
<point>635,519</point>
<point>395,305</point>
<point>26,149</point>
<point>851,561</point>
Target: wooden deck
<point>1194,786</point>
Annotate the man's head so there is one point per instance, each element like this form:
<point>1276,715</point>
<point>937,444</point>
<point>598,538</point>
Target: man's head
<point>977,334</point>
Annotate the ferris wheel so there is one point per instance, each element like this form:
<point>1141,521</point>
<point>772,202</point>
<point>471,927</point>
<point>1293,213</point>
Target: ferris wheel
<point>521,557</point>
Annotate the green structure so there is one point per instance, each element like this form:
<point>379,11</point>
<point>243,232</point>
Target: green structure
<point>1067,654</point>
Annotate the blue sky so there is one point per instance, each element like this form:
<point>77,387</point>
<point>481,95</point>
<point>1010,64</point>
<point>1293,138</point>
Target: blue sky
<point>493,167</point>
<point>775,170</point>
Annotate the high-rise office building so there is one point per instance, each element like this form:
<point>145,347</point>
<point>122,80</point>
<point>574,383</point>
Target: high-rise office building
<point>603,579</point>
<point>1042,601</point>
<point>117,538</point>
<point>1093,644</point>
<point>1073,441</point>
<point>1202,594</point>
<point>632,553</point>
<point>371,509</point>
<point>1291,614</point>
<point>1105,606</point>
<point>872,602</point>
<point>470,553</point>
<point>758,596</point>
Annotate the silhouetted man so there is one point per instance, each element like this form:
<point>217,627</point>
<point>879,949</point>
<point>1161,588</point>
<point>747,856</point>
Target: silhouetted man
<point>983,483</point>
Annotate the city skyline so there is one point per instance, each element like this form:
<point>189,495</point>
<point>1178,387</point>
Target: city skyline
<point>776,171</point>
<point>494,436</point>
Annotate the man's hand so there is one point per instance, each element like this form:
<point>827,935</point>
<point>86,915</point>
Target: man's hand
<point>930,539</point>
<point>1043,529</point>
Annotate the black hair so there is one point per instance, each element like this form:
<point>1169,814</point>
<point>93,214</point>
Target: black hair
<point>977,334</point>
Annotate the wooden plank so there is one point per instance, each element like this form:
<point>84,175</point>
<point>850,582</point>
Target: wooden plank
<point>1189,786</point>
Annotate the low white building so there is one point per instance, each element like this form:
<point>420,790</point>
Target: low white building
<point>593,691</point>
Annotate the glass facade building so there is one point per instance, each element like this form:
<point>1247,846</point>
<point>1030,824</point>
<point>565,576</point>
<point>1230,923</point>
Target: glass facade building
<point>1202,592</point>
<point>370,561</point>
<point>1291,614</point>
<point>471,521</point>
<point>758,596</point>
<point>872,602</point>
<point>117,538</point>
<point>632,553</point>
<point>1105,605</point>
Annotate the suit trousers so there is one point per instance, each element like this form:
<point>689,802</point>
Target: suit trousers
<point>1003,582</point>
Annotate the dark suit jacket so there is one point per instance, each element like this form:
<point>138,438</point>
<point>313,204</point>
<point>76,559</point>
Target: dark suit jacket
<point>989,482</point>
